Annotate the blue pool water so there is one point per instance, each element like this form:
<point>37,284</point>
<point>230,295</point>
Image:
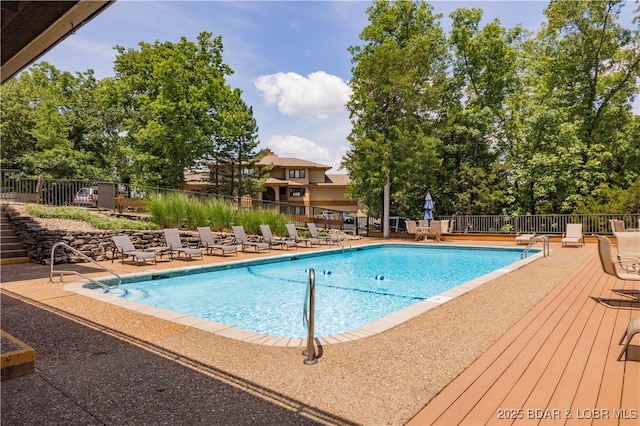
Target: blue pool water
<point>353,288</point>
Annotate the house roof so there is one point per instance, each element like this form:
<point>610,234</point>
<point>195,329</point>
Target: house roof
<point>289,162</point>
<point>276,181</point>
<point>337,179</point>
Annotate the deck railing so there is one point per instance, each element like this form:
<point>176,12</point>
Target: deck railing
<point>551,224</point>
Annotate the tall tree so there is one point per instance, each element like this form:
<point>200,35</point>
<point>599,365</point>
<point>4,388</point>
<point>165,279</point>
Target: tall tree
<point>584,72</point>
<point>476,127</point>
<point>234,149</point>
<point>397,77</point>
<point>170,93</point>
<point>51,125</point>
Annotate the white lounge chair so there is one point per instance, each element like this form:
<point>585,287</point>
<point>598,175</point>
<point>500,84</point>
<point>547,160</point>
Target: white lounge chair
<point>573,235</point>
<point>611,267</point>
<point>524,238</point>
<point>125,247</point>
<point>172,237</point>
<point>272,241</point>
<point>209,243</point>
<point>293,235</point>
<point>243,240</point>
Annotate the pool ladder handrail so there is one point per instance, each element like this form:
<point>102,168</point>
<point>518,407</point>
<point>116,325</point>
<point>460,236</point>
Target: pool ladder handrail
<point>84,256</point>
<point>545,246</point>
<point>339,236</point>
<point>308,314</point>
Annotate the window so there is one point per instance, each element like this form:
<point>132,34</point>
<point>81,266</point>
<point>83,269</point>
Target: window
<point>296,174</point>
<point>296,192</point>
<point>298,210</point>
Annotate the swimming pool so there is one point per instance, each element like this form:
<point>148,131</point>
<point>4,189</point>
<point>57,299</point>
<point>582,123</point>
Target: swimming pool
<point>354,288</point>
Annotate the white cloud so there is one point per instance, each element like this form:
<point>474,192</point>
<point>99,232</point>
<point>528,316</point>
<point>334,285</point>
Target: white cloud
<point>295,146</point>
<point>317,95</point>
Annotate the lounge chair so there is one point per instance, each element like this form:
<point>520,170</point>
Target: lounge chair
<point>272,241</point>
<point>419,232</point>
<point>313,231</point>
<point>172,237</point>
<point>628,244</point>
<point>293,236</point>
<point>632,329</point>
<point>241,238</point>
<point>125,247</point>
<point>209,243</point>
<point>524,238</point>
<point>573,235</point>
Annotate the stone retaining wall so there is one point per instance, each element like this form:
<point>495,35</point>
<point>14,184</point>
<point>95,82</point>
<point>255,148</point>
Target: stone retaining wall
<point>97,245</point>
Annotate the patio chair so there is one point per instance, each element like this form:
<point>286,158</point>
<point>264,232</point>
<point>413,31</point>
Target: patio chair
<point>617,225</point>
<point>610,267</point>
<point>628,244</point>
<point>632,329</point>
<point>172,237</point>
<point>435,230</point>
<point>272,241</point>
<point>313,230</point>
<point>573,235</point>
<point>209,243</point>
<point>293,236</point>
<point>524,238</point>
<point>125,247</point>
<point>243,240</point>
<point>419,232</point>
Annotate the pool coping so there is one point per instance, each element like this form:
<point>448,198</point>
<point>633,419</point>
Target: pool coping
<point>375,327</point>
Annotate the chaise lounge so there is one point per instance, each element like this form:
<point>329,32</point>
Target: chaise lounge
<point>125,247</point>
<point>573,235</point>
<point>172,237</point>
<point>208,242</point>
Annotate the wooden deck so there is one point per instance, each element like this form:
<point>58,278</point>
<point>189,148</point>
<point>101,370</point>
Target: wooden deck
<point>558,365</point>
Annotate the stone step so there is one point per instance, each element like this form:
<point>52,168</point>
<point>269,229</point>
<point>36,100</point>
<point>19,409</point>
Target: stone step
<point>10,239</point>
<point>14,260</point>
<point>16,245</point>
<point>12,253</point>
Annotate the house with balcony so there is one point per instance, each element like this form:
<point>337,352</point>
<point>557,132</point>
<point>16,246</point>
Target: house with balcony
<point>299,187</point>
<point>303,187</point>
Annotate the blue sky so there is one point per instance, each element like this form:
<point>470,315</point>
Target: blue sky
<point>289,58</point>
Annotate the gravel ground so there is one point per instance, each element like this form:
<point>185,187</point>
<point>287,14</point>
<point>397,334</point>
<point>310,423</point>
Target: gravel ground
<point>382,379</point>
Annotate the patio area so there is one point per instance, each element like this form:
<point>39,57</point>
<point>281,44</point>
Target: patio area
<point>532,344</point>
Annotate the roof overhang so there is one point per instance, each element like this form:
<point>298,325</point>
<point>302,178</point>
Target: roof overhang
<point>32,28</point>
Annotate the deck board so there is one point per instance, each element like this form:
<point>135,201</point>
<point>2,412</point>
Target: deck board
<point>557,365</point>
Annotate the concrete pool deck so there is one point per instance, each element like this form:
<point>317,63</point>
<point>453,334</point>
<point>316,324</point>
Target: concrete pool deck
<point>97,363</point>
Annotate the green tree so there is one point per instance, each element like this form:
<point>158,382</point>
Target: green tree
<point>397,78</point>
<point>476,127</point>
<point>583,74</point>
<point>234,149</point>
<point>171,93</point>
<point>51,125</point>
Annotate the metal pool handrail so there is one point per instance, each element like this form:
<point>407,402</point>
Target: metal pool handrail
<point>308,313</point>
<point>545,246</point>
<point>68,247</point>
